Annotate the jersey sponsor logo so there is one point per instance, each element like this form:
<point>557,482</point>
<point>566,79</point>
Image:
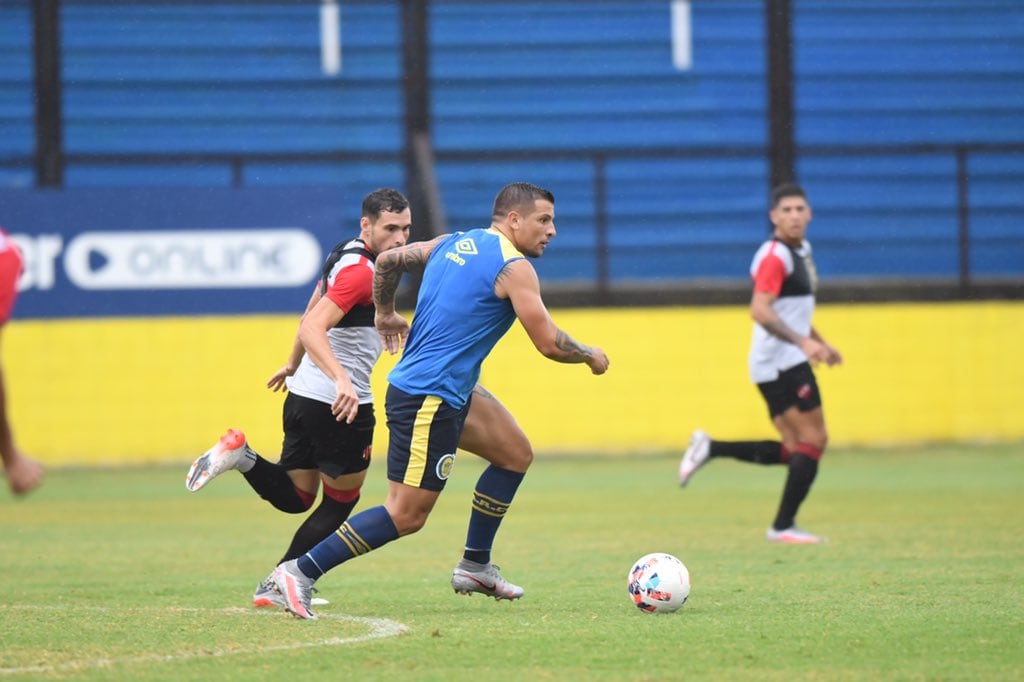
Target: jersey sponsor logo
<point>445,466</point>
<point>466,247</point>
<point>186,259</point>
<point>455,258</point>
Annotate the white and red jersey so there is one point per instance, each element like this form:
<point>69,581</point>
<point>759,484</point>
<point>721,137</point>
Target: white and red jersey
<point>348,281</point>
<point>788,273</point>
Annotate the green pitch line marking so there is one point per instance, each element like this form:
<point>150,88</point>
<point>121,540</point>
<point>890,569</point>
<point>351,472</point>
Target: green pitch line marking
<point>378,628</point>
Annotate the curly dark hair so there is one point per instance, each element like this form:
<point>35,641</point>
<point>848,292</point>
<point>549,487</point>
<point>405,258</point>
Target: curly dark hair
<point>383,200</point>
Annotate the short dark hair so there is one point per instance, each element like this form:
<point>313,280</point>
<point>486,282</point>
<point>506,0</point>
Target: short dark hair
<point>383,200</point>
<point>787,189</point>
<point>518,196</point>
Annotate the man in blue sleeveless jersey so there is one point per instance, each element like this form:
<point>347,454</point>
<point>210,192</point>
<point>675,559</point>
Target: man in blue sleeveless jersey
<point>475,285</point>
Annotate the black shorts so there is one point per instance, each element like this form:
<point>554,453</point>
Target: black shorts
<point>314,439</point>
<point>795,386</point>
<point>424,432</point>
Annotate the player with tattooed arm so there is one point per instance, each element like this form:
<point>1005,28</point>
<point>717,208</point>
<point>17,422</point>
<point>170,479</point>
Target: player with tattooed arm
<point>475,285</point>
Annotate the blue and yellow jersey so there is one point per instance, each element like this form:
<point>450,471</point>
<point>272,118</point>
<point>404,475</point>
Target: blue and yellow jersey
<point>458,317</point>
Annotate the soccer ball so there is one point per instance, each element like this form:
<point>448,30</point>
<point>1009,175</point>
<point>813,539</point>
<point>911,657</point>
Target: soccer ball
<point>658,583</point>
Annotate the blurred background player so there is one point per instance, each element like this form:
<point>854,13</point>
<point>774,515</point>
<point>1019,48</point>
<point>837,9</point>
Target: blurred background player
<point>475,285</point>
<point>783,347</point>
<point>23,473</point>
<point>328,413</point>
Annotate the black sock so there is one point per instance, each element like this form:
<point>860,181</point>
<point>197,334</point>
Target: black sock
<point>756,451</point>
<point>275,486</point>
<point>324,520</point>
<point>802,470</point>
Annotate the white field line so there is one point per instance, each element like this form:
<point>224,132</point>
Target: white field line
<point>378,629</point>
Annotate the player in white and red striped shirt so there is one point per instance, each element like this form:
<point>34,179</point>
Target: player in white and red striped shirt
<point>784,346</point>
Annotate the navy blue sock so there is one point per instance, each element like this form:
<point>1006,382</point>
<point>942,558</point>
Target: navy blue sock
<point>324,520</point>
<point>491,499</point>
<point>364,532</point>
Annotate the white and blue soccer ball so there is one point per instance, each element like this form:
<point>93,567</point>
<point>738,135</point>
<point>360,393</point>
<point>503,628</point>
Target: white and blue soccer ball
<point>658,583</point>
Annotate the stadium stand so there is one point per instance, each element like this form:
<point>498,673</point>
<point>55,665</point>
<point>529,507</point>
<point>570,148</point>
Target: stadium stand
<point>17,142</point>
<point>932,80</point>
<point>894,101</point>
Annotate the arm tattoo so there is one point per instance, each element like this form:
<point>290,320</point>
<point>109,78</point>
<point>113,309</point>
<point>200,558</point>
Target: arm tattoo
<point>391,264</point>
<point>574,352</point>
<point>504,273</point>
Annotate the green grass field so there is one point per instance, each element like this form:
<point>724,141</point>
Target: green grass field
<point>123,575</point>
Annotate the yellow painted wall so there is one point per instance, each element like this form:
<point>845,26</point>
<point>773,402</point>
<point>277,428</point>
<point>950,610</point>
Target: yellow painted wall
<point>163,389</point>
<point>911,373</point>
